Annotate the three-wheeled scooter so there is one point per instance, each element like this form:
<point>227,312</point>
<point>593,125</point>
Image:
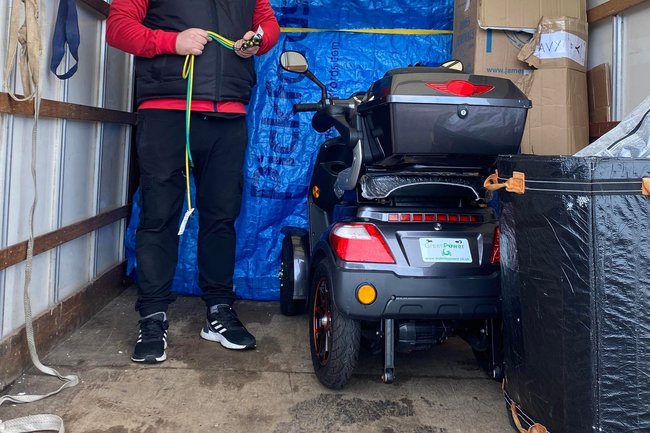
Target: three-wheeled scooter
<point>401,245</point>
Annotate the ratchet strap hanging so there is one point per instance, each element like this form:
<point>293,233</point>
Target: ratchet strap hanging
<point>66,32</point>
<point>516,184</point>
<point>29,36</point>
<point>29,57</point>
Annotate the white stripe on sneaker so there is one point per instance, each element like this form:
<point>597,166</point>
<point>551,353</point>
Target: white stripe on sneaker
<point>215,336</point>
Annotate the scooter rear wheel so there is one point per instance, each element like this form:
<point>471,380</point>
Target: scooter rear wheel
<point>334,339</point>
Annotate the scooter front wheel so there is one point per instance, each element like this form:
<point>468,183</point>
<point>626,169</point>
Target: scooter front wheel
<point>334,339</point>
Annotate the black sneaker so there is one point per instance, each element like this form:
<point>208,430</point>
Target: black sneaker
<point>222,325</point>
<point>152,340</point>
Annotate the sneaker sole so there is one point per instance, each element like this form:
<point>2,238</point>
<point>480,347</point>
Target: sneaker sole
<point>150,359</point>
<point>215,336</point>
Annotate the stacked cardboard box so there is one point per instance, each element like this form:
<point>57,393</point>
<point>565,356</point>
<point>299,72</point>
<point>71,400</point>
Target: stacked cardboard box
<point>493,37</point>
<point>599,88</point>
<point>487,51</point>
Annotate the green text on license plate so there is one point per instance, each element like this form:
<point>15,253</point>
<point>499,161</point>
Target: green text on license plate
<point>445,250</point>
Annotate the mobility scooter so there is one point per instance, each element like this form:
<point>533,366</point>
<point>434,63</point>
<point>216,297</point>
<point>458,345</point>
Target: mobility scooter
<point>401,245</point>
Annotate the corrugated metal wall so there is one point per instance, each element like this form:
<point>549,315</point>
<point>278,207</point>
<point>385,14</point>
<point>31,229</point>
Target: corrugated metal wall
<point>82,170</point>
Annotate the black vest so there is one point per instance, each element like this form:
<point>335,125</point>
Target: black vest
<point>219,74</point>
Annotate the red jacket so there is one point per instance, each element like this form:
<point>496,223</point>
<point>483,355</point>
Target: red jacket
<point>126,32</point>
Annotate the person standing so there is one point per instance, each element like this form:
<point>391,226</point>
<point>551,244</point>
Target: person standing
<point>160,33</point>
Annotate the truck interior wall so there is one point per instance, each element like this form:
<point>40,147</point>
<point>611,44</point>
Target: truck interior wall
<point>82,170</point>
<point>635,53</point>
<point>636,56</point>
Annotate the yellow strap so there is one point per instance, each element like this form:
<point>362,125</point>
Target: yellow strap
<point>516,184</point>
<point>535,428</point>
<point>373,31</point>
<point>645,189</point>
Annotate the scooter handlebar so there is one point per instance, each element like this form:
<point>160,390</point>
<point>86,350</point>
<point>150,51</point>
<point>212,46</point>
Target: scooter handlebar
<point>299,108</point>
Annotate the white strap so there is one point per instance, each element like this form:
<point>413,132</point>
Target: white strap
<point>29,58</point>
<point>33,423</point>
<point>29,55</point>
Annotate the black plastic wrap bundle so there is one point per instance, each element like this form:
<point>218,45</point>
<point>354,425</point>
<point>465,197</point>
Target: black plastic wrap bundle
<point>575,261</point>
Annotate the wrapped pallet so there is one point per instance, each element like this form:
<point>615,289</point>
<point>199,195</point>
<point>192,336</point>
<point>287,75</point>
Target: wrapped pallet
<point>575,246</point>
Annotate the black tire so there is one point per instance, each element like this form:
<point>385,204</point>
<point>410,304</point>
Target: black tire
<point>334,340</point>
<point>288,305</point>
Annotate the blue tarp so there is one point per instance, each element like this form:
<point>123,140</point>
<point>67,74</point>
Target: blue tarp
<point>282,145</point>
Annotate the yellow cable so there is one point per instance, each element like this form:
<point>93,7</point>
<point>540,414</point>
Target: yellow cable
<point>188,74</point>
<point>373,31</point>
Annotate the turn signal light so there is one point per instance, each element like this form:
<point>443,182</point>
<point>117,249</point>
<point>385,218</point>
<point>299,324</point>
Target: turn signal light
<point>366,294</point>
<point>360,242</point>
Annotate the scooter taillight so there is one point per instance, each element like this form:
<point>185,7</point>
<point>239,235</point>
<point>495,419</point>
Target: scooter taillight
<point>495,257</point>
<point>431,217</point>
<point>461,88</point>
<point>360,242</point>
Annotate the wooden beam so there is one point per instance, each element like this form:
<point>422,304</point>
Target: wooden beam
<point>65,110</point>
<point>99,6</point>
<point>610,9</point>
<point>56,324</point>
<point>18,252</point>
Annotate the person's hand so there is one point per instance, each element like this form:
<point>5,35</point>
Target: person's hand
<point>248,52</point>
<point>191,41</point>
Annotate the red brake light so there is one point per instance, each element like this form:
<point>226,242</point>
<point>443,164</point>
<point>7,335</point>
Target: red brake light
<point>360,242</point>
<point>461,88</point>
<point>495,258</point>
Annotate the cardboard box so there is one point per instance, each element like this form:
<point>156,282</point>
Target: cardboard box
<point>558,43</point>
<point>524,15</point>
<point>558,123</point>
<point>599,90</point>
<point>489,52</point>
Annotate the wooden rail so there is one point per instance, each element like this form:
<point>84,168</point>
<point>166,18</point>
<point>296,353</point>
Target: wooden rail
<point>610,9</point>
<point>57,323</point>
<point>65,110</point>
<point>18,252</point>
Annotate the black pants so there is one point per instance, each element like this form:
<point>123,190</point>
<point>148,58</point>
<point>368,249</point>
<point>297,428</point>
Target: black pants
<point>218,147</point>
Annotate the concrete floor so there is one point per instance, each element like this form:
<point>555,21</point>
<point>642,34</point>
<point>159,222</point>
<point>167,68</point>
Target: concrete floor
<point>204,387</point>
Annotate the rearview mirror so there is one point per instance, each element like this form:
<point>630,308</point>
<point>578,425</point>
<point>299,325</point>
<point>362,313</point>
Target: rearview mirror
<point>293,61</point>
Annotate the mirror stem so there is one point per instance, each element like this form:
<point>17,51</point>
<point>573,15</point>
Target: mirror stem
<point>323,89</point>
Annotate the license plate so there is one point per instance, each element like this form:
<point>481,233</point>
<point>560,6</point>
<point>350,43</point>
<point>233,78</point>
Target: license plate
<point>445,250</point>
